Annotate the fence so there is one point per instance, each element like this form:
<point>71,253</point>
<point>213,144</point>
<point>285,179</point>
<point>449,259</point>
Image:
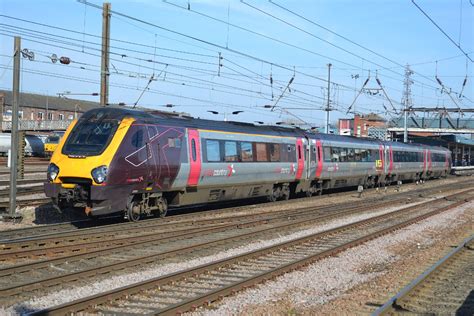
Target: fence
<point>32,125</point>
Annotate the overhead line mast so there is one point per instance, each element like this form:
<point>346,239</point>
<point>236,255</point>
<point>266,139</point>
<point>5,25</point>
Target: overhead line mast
<point>328,107</point>
<point>104,74</point>
<point>407,100</point>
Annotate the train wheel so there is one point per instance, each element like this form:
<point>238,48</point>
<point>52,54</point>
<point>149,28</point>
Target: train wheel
<point>285,193</point>
<point>162,207</point>
<point>275,195</point>
<point>133,213</point>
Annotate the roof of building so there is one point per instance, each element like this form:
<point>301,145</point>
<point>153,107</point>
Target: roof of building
<point>443,123</point>
<point>373,117</point>
<point>53,103</point>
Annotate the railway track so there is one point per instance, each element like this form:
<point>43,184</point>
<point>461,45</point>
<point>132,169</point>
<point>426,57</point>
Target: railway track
<point>28,161</point>
<point>27,202</point>
<point>23,191</point>
<point>55,229</point>
<point>65,238</point>
<point>185,290</point>
<point>124,235</point>
<point>29,171</point>
<point>444,289</point>
<point>22,181</point>
<point>21,281</point>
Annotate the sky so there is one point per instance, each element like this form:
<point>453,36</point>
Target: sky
<point>268,59</point>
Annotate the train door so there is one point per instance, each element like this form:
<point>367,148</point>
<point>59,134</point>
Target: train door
<point>425,162</point>
<point>429,162</point>
<point>300,157</point>
<point>139,156</point>
<point>194,153</point>
<point>379,163</point>
<point>311,159</point>
<point>390,160</point>
<point>153,148</point>
<point>319,158</point>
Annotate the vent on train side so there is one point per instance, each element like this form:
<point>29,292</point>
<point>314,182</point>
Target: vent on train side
<point>340,183</point>
<point>256,191</point>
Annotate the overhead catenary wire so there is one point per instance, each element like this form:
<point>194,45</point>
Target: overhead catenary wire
<point>241,73</point>
<point>442,31</point>
<point>311,34</point>
<point>128,56</point>
<point>150,46</point>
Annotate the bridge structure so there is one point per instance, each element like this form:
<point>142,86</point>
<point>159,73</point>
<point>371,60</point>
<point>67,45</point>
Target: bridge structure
<point>38,126</point>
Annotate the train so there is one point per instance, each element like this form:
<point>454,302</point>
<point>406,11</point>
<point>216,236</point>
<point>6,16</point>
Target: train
<point>51,143</point>
<point>140,162</point>
<point>34,144</point>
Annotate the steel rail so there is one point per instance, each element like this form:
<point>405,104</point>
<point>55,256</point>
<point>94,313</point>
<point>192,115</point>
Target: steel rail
<point>22,181</point>
<point>28,202</point>
<point>82,241</point>
<point>107,268</point>
<point>394,304</point>
<point>100,238</point>
<point>225,266</point>
<point>83,225</point>
<point>57,229</point>
<point>22,191</point>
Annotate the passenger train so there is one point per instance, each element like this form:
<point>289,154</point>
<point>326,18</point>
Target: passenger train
<point>139,163</point>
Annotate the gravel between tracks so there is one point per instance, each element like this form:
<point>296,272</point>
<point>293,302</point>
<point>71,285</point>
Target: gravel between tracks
<point>69,294</point>
<point>306,291</point>
<point>46,214</point>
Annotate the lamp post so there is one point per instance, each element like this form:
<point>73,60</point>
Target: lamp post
<point>225,113</point>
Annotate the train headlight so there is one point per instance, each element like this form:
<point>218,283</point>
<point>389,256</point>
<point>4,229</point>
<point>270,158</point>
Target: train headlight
<point>99,174</point>
<point>53,171</point>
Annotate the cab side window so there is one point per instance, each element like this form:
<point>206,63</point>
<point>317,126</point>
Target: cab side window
<point>138,140</point>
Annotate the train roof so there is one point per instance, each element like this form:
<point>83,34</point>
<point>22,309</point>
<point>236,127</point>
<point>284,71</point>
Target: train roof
<point>174,119</point>
<point>190,122</point>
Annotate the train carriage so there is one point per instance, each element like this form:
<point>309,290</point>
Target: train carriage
<point>136,162</point>
<point>350,161</point>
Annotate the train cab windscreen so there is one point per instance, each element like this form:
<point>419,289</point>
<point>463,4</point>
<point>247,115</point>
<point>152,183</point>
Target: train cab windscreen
<point>91,135</point>
<point>53,139</point>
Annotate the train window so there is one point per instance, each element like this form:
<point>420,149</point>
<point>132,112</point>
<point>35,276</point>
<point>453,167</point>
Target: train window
<point>357,156</point>
<point>274,152</point>
<point>363,155</point>
<point>374,155</point>
<point>336,154</point>
<point>138,139</point>
<point>261,150</point>
<point>213,150</point>
<point>90,136</point>
<point>319,153</point>
<point>152,132</point>
<point>299,151</point>
<point>350,154</point>
<point>230,151</point>
<point>327,154</point>
<point>193,149</point>
<point>174,142</point>
<point>339,154</point>
<point>246,151</point>
<point>285,153</point>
